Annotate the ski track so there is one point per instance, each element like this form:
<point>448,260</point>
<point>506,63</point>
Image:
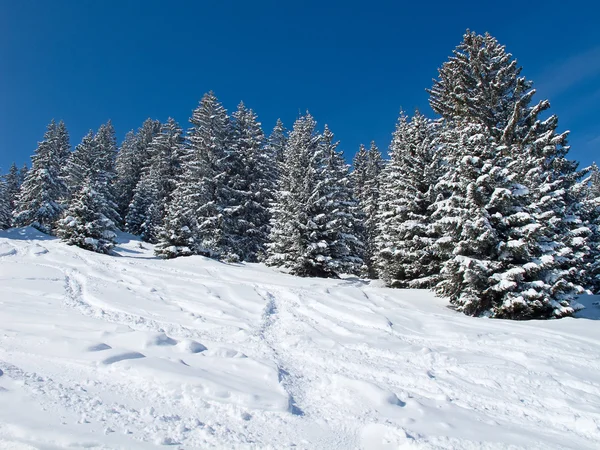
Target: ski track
<point>135,352</point>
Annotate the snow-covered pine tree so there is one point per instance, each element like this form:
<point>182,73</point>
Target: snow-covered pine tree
<point>359,171</point>
<point>404,254</point>
<point>312,227</point>
<point>154,190</point>
<point>39,202</point>
<point>366,178</point>
<point>128,172</point>
<point>63,150</point>
<point>132,160</point>
<point>251,178</point>
<point>592,220</point>
<point>5,209</point>
<point>194,221</point>
<point>335,242</point>
<point>13,185</point>
<point>481,84</point>
<point>208,172</point>
<point>81,163</point>
<point>277,141</point>
<point>84,223</point>
<point>22,174</point>
<point>297,179</point>
<point>106,153</point>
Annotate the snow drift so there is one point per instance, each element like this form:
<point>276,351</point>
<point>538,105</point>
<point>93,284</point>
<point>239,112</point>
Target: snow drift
<point>132,352</point>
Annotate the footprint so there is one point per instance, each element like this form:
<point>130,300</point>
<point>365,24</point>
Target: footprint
<point>122,357</point>
<point>99,347</point>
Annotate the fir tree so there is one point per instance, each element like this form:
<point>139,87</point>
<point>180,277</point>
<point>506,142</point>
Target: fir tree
<point>39,202</point>
<point>5,209</point>
<point>592,221</point>
<point>251,186</point>
<point>155,188</point>
<point>84,223</point>
<point>277,142</point>
<point>22,174</point>
<point>366,178</point>
<point>132,160</point>
<point>289,233</point>
<point>313,229</point>
<point>404,243</point>
<point>481,85</point>
<point>63,150</point>
<point>208,174</point>
<point>13,185</point>
<point>194,223</point>
<point>104,166</point>
<point>338,247</point>
<point>81,163</point>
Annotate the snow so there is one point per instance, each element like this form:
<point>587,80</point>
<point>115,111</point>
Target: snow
<point>134,352</point>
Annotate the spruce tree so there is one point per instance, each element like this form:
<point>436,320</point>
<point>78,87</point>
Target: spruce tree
<point>5,209</point>
<point>208,174</point>
<point>81,163</point>
<point>84,223</point>
<point>366,178</point>
<point>289,233</point>
<point>132,160</point>
<point>194,223</point>
<point>63,150</point>
<point>251,186</point>
<point>339,247</point>
<point>481,85</point>
<point>13,184</point>
<point>155,188</point>
<point>313,228</point>
<point>39,202</point>
<point>592,218</point>
<point>404,253</point>
<point>277,142</point>
<point>104,165</point>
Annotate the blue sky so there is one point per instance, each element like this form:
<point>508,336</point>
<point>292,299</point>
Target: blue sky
<point>352,64</point>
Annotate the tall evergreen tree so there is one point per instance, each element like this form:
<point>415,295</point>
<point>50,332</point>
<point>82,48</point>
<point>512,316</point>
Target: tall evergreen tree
<point>155,188</point>
<point>5,209</point>
<point>81,163</point>
<point>251,186</point>
<point>84,223</point>
<point>23,173</point>
<point>63,150</point>
<point>405,256</point>
<point>592,219</point>
<point>289,232</point>
<point>13,185</point>
<point>195,217</point>
<point>277,142</point>
<point>313,230</point>
<point>104,165</point>
<point>132,160</point>
<point>39,203</point>
<point>481,85</point>
<point>366,178</point>
<point>208,172</point>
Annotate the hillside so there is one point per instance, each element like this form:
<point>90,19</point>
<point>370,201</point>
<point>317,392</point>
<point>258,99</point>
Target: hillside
<point>134,352</point>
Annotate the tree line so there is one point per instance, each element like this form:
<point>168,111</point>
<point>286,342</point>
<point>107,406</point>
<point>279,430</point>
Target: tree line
<point>481,204</point>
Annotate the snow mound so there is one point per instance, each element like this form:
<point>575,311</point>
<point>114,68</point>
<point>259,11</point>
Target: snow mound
<point>131,352</point>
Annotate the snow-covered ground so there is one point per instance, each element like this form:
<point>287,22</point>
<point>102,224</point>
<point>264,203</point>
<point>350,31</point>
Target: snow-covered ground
<point>134,352</point>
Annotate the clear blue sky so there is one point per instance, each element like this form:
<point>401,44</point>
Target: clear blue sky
<point>352,64</point>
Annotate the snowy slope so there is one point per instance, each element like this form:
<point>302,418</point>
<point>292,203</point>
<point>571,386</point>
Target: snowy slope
<point>133,352</point>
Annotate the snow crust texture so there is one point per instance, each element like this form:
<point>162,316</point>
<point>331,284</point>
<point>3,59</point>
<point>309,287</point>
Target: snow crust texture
<point>132,352</point>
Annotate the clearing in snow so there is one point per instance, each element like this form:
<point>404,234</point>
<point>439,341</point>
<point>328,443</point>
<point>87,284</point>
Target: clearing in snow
<point>132,352</point>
